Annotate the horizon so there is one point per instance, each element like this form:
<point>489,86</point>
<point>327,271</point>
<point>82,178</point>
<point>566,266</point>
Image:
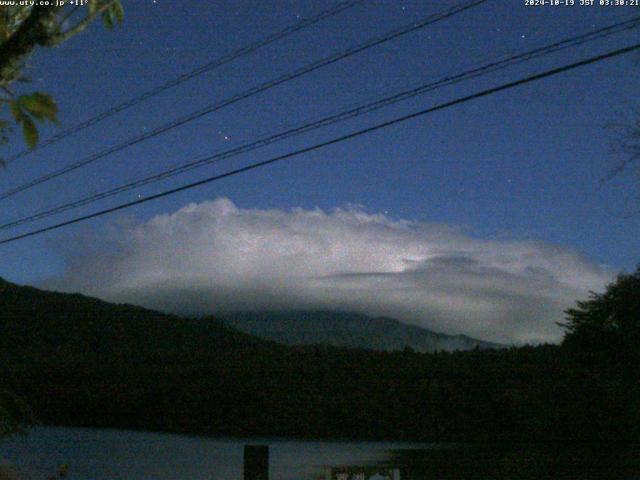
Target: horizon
<point>217,316</point>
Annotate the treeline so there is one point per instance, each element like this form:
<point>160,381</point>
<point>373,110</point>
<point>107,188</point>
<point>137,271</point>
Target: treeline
<point>83,362</point>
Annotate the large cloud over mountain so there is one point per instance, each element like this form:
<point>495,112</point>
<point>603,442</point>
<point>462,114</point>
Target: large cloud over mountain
<point>214,256</point>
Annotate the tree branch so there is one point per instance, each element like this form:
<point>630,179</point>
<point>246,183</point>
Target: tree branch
<point>34,30</point>
<point>79,27</point>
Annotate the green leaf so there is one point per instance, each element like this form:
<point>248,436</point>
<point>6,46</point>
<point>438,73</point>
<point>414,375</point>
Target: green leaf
<point>40,105</point>
<point>114,14</point>
<point>94,5</point>
<point>118,11</point>
<point>16,110</point>
<point>30,132</point>
<point>108,17</point>
<point>26,108</point>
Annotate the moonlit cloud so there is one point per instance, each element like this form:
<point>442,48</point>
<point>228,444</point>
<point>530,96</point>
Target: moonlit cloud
<point>215,257</point>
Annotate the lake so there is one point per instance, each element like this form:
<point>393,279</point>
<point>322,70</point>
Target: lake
<point>97,454</point>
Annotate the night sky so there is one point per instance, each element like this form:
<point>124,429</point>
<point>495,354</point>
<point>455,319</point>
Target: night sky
<point>464,203</point>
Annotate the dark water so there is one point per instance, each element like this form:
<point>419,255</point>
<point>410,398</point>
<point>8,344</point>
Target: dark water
<point>94,454</point>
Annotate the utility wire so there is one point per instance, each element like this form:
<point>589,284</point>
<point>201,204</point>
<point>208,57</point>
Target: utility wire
<point>207,67</point>
<point>318,146</point>
<point>332,119</point>
<point>248,93</point>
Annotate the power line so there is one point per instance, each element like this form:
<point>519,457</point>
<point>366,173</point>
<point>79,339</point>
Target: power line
<point>499,64</point>
<point>431,19</point>
<point>207,67</point>
<point>358,133</point>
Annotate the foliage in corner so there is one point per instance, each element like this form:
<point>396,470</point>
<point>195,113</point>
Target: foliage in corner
<point>605,329</point>
<point>27,109</point>
<point>602,336</point>
<point>23,28</point>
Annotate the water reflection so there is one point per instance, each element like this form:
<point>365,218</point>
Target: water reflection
<point>94,454</point>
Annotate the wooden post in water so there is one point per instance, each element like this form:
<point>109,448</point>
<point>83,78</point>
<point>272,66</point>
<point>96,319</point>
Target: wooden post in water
<point>256,462</point>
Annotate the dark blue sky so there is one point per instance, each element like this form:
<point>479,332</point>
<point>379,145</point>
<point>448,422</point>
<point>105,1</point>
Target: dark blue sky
<point>522,164</point>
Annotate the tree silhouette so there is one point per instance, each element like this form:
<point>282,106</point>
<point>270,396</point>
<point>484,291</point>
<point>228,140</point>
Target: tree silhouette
<point>605,330</point>
<point>603,337</point>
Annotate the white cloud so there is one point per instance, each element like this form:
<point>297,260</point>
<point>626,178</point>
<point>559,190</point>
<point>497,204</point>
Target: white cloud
<point>213,257</point>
